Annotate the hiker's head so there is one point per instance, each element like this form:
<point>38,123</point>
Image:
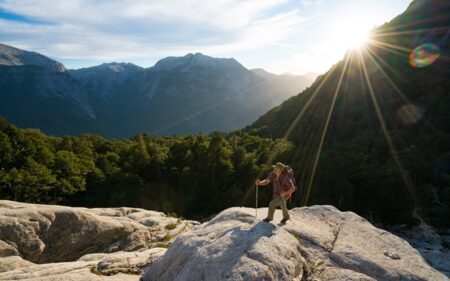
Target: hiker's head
<point>278,168</point>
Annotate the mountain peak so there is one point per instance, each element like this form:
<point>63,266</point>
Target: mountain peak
<point>194,59</point>
<point>120,66</point>
<point>111,67</point>
<point>198,54</point>
<point>13,57</point>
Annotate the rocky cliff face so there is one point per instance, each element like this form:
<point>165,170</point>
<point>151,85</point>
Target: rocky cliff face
<point>14,56</point>
<point>38,92</point>
<point>102,81</point>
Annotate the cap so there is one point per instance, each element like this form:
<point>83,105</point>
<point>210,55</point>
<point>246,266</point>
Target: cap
<point>279,165</point>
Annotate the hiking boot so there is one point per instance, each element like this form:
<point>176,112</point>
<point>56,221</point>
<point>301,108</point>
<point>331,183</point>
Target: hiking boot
<point>283,221</point>
<point>266,220</point>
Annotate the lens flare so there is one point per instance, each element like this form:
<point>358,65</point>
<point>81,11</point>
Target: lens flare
<point>424,55</point>
<point>409,114</point>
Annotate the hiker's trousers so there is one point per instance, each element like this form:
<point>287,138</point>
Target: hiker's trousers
<point>278,202</point>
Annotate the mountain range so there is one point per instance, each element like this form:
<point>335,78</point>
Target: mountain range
<point>178,95</point>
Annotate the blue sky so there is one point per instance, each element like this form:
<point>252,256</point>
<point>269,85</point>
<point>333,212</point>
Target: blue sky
<point>295,36</point>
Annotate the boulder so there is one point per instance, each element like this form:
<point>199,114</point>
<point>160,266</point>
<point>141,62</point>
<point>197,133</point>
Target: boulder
<point>318,243</point>
<point>120,266</point>
<point>51,233</point>
<point>49,242</point>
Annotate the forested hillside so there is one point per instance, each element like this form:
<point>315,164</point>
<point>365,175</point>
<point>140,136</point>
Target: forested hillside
<point>373,134</point>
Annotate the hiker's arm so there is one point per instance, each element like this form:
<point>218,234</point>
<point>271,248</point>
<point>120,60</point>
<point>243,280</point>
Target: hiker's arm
<point>263,182</point>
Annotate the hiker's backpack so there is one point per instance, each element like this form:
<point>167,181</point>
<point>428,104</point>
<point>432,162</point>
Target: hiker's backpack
<point>290,173</point>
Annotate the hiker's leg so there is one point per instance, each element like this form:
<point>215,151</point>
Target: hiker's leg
<point>284,208</point>
<point>272,205</point>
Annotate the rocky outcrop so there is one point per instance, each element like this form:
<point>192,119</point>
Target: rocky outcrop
<point>50,243</point>
<point>319,243</point>
<point>13,56</point>
<point>102,241</point>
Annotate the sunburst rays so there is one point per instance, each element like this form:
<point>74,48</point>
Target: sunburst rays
<point>324,131</point>
<point>363,56</point>
<point>406,179</point>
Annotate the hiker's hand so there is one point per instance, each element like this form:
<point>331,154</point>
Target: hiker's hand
<point>257,182</point>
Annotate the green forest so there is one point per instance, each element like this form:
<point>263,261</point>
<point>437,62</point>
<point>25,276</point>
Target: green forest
<point>193,176</point>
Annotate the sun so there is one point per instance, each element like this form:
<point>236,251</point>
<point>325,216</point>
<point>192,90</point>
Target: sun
<point>351,33</point>
<point>357,38</point>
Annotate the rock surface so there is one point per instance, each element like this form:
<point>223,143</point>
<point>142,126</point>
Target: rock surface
<point>48,241</point>
<point>433,246</point>
<point>319,243</point>
<point>114,266</point>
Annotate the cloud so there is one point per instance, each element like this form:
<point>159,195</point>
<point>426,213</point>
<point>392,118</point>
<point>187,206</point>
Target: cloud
<point>221,13</point>
<point>261,33</point>
<point>311,4</point>
<point>140,29</point>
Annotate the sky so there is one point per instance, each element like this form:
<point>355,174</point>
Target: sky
<point>280,36</point>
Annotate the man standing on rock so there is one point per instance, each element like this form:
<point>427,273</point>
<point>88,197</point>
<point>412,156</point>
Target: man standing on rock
<point>282,190</point>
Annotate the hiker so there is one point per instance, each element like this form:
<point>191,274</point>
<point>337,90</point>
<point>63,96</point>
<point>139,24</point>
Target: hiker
<point>283,187</point>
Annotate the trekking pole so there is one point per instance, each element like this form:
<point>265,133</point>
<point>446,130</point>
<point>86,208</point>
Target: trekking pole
<point>256,203</point>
